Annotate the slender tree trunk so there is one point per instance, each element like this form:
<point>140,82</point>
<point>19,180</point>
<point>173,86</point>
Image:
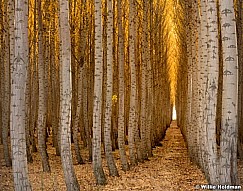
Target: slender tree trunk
<point>189,81</point>
<point>6,86</point>
<point>34,85</point>
<point>54,73</point>
<point>194,82</point>
<point>240,75</point>
<point>108,107</point>
<point>97,107</point>
<point>132,112</point>
<point>76,123</point>
<point>55,104</point>
<point>2,134</point>
<point>42,107</point>
<point>27,115</point>
<point>19,62</point>
<point>149,79</point>
<point>143,116</point>
<point>203,54</point>
<point>229,129</point>
<point>114,123</point>
<point>86,110</point>
<point>65,98</point>
<point>121,114</point>
<point>88,105</point>
<point>211,91</point>
<point>76,94</point>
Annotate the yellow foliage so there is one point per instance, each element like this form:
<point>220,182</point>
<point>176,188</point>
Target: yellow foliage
<point>114,98</point>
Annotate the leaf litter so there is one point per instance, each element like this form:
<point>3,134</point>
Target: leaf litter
<point>170,169</point>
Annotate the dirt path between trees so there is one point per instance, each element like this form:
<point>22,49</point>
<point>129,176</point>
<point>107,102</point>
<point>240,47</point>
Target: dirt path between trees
<point>168,170</point>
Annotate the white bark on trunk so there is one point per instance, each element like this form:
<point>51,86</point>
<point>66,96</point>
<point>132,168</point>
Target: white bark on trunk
<point>42,106</point>
<point>108,107</point>
<point>229,129</point>
<point>132,112</point>
<point>65,98</point>
<point>97,102</point>
<point>121,97</point>
<point>19,62</point>
<point>211,91</point>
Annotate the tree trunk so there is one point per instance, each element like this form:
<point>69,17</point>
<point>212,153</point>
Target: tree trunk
<point>76,123</point>
<point>108,107</point>
<point>97,107</point>
<point>229,129</point>
<point>42,107</point>
<point>27,115</point>
<point>121,114</point>
<point>34,85</point>
<point>55,104</point>
<point>203,54</point>
<point>19,62</point>
<point>2,133</point>
<point>211,91</point>
<point>86,110</point>
<point>132,112</point>
<point>144,72</point>
<point>240,75</point>
<point>5,86</point>
<point>149,81</point>
<point>65,98</point>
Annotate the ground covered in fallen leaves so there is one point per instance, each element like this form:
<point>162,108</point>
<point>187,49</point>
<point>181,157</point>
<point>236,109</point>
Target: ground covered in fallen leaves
<point>169,169</point>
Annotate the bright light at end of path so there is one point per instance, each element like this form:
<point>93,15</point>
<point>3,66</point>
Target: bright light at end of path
<point>174,113</point>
